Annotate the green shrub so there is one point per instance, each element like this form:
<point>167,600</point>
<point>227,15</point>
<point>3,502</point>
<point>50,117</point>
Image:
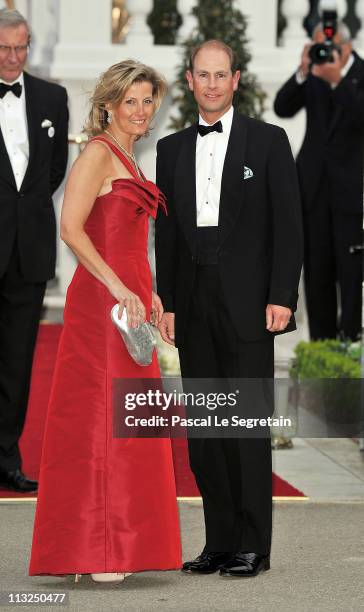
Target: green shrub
<point>326,359</point>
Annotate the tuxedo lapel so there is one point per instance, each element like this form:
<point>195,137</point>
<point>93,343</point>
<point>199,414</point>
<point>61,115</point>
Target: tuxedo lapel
<point>232,182</point>
<point>6,171</point>
<point>354,75</point>
<point>185,187</point>
<point>33,111</point>
<point>320,90</point>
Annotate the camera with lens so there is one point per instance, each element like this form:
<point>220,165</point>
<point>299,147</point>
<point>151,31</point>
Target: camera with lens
<point>320,53</point>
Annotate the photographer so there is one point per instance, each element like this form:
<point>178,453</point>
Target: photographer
<point>330,169</point>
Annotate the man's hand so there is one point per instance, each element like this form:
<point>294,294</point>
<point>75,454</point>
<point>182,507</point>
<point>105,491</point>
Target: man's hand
<point>304,68</point>
<point>277,317</point>
<point>166,327</point>
<point>156,312</point>
<point>329,71</point>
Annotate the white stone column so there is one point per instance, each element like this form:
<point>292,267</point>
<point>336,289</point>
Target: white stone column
<point>295,11</point>
<point>262,21</point>
<point>82,51</point>
<point>43,19</point>
<point>85,23</point>
<point>84,38</point>
<point>359,9</point>
<point>139,35</point>
<point>189,21</point>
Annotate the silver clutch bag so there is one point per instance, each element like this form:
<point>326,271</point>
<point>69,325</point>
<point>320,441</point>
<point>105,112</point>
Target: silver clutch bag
<point>139,341</point>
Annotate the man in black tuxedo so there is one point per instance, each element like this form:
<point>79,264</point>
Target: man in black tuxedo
<point>330,170</point>
<point>228,258</point>
<point>33,160</point>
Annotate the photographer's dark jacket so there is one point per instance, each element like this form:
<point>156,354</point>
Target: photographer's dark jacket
<point>334,136</point>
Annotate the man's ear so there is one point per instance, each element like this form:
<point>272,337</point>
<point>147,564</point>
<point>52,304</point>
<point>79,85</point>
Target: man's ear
<point>236,79</point>
<point>189,78</point>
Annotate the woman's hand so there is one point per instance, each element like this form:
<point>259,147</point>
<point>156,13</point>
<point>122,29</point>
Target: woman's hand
<point>157,310</point>
<point>135,309</point>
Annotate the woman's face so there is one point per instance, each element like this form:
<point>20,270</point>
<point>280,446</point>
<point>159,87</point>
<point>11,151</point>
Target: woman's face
<point>135,111</point>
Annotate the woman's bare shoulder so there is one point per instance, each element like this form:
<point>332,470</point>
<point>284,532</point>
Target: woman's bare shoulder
<point>95,156</point>
<point>97,150</point>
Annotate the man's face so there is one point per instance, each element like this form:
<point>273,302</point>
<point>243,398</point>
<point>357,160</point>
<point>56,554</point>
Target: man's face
<point>346,47</point>
<point>12,61</point>
<point>212,82</point>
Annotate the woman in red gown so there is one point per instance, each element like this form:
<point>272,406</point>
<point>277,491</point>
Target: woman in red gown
<point>106,506</point>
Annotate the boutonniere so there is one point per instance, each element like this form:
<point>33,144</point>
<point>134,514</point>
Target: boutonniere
<point>46,123</point>
<point>248,173</point>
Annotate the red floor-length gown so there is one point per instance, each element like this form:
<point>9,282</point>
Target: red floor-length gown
<point>105,504</point>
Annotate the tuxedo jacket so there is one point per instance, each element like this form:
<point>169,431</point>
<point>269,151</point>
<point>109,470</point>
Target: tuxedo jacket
<point>260,230</point>
<point>334,136</point>
<point>28,214</point>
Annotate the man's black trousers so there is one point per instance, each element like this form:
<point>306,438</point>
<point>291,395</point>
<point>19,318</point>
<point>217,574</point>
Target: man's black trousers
<point>20,309</point>
<point>234,475</point>
<point>332,275</point>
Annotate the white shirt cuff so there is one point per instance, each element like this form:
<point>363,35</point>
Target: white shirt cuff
<point>300,78</point>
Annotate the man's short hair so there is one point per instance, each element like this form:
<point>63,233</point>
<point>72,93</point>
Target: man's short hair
<point>218,44</point>
<point>11,18</point>
<point>342,29</point>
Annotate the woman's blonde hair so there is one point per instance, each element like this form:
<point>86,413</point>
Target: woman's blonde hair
<point>112,87</point>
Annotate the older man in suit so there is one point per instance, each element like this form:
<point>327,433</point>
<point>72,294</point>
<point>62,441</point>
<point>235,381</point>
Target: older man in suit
<point>330,170</point>
<point>33,160</point>
<point>228,259</point>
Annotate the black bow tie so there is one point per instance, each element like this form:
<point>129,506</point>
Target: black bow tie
<point>15,88</point>
<point>206,129</point>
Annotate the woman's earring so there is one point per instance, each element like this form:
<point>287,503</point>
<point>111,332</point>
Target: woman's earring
<point>147,133</point>
<point>109,117</point>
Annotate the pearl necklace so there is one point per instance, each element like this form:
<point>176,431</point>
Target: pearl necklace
<point>130,155</point>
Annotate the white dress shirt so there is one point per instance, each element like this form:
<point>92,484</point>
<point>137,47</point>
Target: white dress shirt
<point>210,157</point>
<point>14,127</point>
<point>345,69</point>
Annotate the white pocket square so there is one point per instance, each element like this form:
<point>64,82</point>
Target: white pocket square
<point>46,123</point>
<point>248,173</point>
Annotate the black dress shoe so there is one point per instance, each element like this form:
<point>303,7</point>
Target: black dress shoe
<point>17,481</point>
<point>245,565</point>
<point>206,563</point>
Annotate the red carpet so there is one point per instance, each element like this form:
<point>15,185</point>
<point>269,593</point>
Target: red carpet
<point>31,441</point>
